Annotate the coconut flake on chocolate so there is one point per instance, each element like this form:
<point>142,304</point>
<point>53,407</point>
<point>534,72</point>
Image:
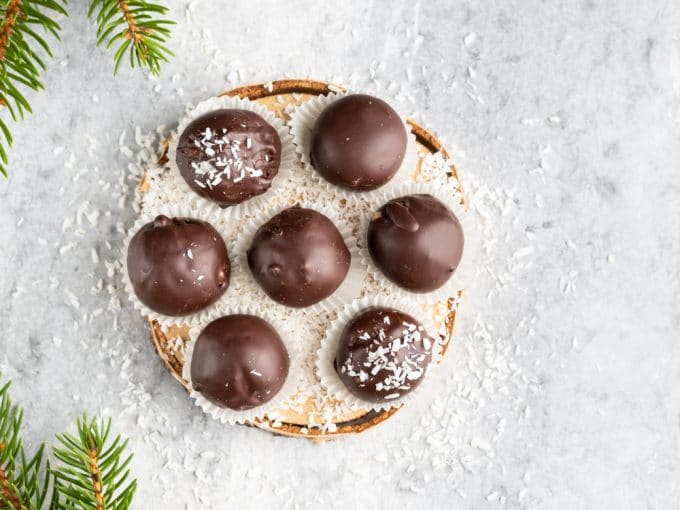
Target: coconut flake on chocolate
<point>382,354</point>
<point>229,156</point>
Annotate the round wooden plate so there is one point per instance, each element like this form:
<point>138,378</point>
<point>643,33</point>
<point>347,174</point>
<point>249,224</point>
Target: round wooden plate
<point>276,96</point>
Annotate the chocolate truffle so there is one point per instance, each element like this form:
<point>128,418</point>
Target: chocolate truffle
<point>358,142</point>
<point>298,257</point>
<point>383,354</point>
<point>178,266</point>
<point>229,156</point>
<point>239,362</point>
<point>416,241</point>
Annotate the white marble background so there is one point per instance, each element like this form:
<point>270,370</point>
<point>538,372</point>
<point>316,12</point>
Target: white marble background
<point>563,389</point>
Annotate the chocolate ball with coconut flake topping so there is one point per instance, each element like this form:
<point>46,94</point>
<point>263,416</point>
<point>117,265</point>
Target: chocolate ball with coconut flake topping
<point>229,156</point>
<point>178,266</point>
<point>239,361</point>
<point>383,354</point>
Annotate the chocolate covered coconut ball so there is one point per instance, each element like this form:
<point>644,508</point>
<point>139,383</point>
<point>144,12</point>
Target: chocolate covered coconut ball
<point>358,142</point>
<point>298,257</point>
<point>229,156</point>
<point>239,362</point>
<point>178,266</point>
<point>416,241</point>
<point>383,354</point>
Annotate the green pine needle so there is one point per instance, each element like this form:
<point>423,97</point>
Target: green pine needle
<point>134,27</point>
<point>94,471</point>
<point>20,64</point>
<point>24,482</point>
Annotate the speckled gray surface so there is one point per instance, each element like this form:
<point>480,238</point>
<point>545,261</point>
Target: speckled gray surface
<point>562,390</point>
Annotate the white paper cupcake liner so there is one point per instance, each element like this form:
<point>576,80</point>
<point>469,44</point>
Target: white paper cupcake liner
<point>244,295</point>
<point>302,121</point>
<point>329,344</point>
<point>278,184</point>
<point>464,271</point>
<point>200,316</point>
<point>269,409</point>
<point>348,290</point>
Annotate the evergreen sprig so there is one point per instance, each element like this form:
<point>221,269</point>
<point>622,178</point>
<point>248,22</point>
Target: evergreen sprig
<point>92,472</point>
<point>95,471</point>
<point>24,481</point>
<point>136,26</point>
<point>20,64</point>
<point>25,25</point>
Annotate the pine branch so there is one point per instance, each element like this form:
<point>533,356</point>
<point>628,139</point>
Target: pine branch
<point>95,471</point>
<point>20,64</point>
<point>136,26</point>
<point>22,484</point>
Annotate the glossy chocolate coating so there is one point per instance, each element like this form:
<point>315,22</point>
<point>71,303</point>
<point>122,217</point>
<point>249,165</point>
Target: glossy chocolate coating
<point>229,156</point>
<point>239,362</point>
<point>178,266</point>
<point>358,142</point>
<point>416,241</point>
<point>298,257</point>
<point>382,354</point>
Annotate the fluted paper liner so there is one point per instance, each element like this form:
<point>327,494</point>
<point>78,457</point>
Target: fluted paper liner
<point>292,178</point>
<point>463,273</point>
<point>348,290</point>
<point>325,369</point>
<point>302,121</point>
<point>254,204</point>
<point>268,409</point>
<point>203,315</point>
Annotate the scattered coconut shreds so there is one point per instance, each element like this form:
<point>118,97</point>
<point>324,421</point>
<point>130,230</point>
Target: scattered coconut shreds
<point>477,401</point>
<point>455,435</point>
